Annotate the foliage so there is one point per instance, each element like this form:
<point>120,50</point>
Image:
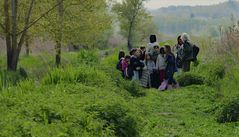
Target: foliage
<point>91,99</point>
<point>230,112</point>
<point>133,87</point>
<point>9,78</point>
<point>85,75</point>
<point>132,15</point>
<point>116,116</point>
<point>187,79</point>
<point>213,72</point>
<point>84,22</point>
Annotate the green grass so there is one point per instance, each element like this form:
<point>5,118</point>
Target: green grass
<point>87,97</point>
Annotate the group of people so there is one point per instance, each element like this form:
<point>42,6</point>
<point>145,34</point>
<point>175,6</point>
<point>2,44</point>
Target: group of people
<point>154,66</point>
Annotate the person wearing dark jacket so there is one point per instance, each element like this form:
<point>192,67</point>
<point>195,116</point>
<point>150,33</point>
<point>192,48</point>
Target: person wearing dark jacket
<point>170,67</point>
<point>187,52</point>
<point>136,64</point>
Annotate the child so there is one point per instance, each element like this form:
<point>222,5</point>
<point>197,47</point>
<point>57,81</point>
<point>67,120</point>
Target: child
<point>121,55</point>
<point>125,64</point>
<point>170,68</point>
<point>155,53</point>
<point>154,75</point>
<point>161,65</point>
<point>143,50</point>
<point>150,67</point>
<point>119,64</point>
<point>135,63</point>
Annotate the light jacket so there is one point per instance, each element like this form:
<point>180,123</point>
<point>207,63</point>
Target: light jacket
<point>161,62</point>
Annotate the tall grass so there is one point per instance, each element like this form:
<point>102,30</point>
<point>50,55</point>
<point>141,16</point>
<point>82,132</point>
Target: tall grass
<point>84,74</point>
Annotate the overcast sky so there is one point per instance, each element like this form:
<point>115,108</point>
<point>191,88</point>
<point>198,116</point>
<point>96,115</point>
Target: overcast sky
<point>155,4</point>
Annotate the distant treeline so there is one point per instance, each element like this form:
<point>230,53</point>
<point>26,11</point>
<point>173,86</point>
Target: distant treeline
<point>199,20</point>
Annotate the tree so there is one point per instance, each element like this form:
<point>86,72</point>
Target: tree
<point>60,21</point>
<point>14,39</point>
<point>130,13</point>
<point>63,21</point>
<point>76,22</point>
<point>144,29</point>
<point>15,25</point>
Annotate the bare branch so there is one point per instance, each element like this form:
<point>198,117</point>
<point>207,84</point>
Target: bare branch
<point>29,13</point>
<point>39,18</point>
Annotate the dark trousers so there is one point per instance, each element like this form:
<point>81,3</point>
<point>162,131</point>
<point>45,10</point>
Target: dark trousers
<point>186,66</point>
<point>170,78</point>
<point>155,79</point>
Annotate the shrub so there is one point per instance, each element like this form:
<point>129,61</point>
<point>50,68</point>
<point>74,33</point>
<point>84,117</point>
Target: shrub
<point>187,79</point>
<point>82,57</point>
<point>36,66</point>
<point>46,115</point>
<point>133,87</point>
<point>8,78</point>
<point>88,57</point>
<point>230,112</point>
<point>115,116</point>
<point>217,72</point>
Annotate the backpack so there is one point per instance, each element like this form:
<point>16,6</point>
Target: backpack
<point>196,50</point>
<point>119,65</point>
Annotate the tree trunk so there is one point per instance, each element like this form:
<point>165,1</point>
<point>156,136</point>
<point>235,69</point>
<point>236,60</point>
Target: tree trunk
<point>14,60</point>
<point>11,37</point>
<point>7,33</point>
<point>58,53</point>
<point>130,43</point>
<point>60,32</point>
<point>27,45</point>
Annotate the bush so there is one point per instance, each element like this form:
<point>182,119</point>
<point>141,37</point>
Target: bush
<point>116,117</point>
<point>187,79</point>
<point>9,78</point>
<point>216,72</point>
<point>133,87</point>
<point>36,66</point>
<point>230,112</point>
<point>88,57</point>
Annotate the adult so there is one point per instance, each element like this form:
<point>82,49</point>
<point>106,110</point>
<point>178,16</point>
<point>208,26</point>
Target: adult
<point>170,68</point>
<point>149,62</point>
<point>177,46</point>
<point>178,51</point>
<point>152,42</point>
<point>187,52</point>
<point>154,75</point>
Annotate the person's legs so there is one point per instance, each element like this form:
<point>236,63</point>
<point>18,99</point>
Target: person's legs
<point>157,79</point>
<point>174,82</point>
<point>186,66</point>
<point>171,80</point>
<point>144,79</point>
<point>154,79</point>
<point>162,76</point>
<point>136,75</point>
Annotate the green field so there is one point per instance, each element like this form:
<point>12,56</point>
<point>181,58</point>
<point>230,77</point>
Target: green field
<point>87,97</point>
